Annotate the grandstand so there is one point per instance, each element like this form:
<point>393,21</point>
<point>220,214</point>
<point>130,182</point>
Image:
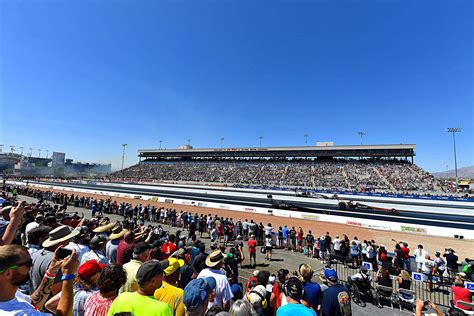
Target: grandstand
<point>354,168</point>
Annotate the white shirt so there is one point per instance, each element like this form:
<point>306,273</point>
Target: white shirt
<point>268,242</point>
<point>19,305</point>
<point>337,244</point>
<point>268,230</point>
<point>29,227</point>
<point>94,255</point>
<point>223,290</point>
<point>420,256</point>
<point>80,249</point>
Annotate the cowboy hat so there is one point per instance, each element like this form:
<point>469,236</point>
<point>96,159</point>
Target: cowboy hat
<point>104,226</point>
<point>118,232</point>
<point>214,258</point>
<point>58,235</point>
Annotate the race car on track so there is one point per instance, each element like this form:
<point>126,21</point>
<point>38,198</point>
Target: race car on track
<point>350,205</point>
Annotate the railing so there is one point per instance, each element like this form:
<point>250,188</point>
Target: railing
<point>438,290</point>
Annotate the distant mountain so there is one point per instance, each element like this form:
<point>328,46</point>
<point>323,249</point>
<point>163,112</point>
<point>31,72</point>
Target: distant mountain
<point>463,173</point>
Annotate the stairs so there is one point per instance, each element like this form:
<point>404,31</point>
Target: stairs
<point>382,177</point>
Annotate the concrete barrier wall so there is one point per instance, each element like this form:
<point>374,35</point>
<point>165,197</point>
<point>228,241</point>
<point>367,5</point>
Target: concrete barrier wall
<point>359,222</point>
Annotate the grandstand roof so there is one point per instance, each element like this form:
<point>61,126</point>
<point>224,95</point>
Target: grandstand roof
<point>395,150</point>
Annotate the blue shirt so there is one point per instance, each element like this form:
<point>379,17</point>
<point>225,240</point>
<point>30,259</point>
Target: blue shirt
<point>330,305</point>
<point>312,293</point>
<point>323,245</point>
<point>285,231</point>
<point>295,309</point>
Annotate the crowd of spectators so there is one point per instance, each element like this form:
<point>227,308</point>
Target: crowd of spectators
<point>351,175</point>
<point>56,262</point>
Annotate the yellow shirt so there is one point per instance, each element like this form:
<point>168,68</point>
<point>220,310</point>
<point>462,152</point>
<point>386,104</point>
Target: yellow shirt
<point>173,296</point>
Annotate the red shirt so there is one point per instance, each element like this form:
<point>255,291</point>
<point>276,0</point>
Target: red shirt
<point>167,250</point>
<point>252,243</point>
<point>300,235</point>
<point>124,252</point>
<point>461,294</point>
<point>277,291</point>
<point>406,253</point>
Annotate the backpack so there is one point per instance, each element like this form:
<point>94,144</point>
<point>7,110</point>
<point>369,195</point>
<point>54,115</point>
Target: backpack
<point>344,301</point>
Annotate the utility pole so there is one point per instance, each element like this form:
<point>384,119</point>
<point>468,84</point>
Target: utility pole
<point>123,153</point>
<point>189,142</point>
<point>361,134</point>
<point>260,138</point>
<point>39,153</point>
<point>160,143</point>
<point>47,153</point>
<point>222,142</point>
<point>306,139</point>
<point>455,130</point>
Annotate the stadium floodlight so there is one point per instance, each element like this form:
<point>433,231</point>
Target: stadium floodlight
<point>47,153</point>
<point>1,148</point>
<point>306,139</point>
<point>260,138</point>
<point>222,142</point>
<point>455,130</point>
<point>123,153</point>
<point>361,134</point>
<point>39,153</point>
<point>31,151</point>
<point>12,149</point>
<point>21,151</point>
<point>189,142</point>
<point>160,143</point>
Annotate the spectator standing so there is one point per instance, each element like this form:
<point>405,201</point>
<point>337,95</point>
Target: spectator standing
<point>223,291</point>
<point>97,251</point>
<point>460,293</point>
<point>114,240</point>
<point>268,247</point>
<point>336,300</point>
<point>111,278</point>
<point>149,278</point>
<point>140,255</point>
<point>420,255</point>
<point>293,236</point>
<point>323,249</point>
<point>406,257</point>
<point>278,290</point>
<point>337,246</point>
<point>309,244</point>
<point>169,292</point>
<point>300,237</point>
<point>451,262</point>
<point>285,232</point>
<point>197,296</point>
<point>294,296</point>
<point>125,248</point>
<point>252,245</point>
<point>312,290</point>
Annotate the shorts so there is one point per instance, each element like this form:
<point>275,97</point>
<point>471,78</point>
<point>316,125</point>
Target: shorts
<point>269,249</point>
<point>253,255</point>
<point>323,254</point>
<point>310,246</point>
<point>300,242</point>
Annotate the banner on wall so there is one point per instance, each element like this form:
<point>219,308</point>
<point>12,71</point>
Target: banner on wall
<point>412,229</point>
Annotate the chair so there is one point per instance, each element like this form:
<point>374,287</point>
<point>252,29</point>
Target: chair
<point>406,297</point>
<point>383,292</point>
<point>466,305</point>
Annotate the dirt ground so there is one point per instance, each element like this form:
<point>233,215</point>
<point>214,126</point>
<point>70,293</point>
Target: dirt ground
<point>463,248</point>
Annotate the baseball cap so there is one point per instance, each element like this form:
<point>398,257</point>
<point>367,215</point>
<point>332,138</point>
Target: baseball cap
<point>140,247</point>
<point>150,269</point>
<point>294,288</point>
<point>330,274</point>
<point>89,268</point>
<point>196,292</point>
<point>97,240</point>
<point>282,273</point>
<point>174,264</point>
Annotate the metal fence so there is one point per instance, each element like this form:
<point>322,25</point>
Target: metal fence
<point>438,290</point>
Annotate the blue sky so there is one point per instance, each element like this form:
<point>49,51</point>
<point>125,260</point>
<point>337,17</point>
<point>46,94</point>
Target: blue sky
<point>82,77</point>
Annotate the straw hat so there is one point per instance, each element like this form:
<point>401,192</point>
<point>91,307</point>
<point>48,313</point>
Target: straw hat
<point>214,258</point>
<point>117,232</point>
<point>104,226</point>
<point>58,235</point>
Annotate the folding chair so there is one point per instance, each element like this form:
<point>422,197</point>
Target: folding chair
<point>383,292</point>
<point>406,297</point>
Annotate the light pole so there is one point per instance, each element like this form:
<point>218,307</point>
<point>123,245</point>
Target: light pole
<point>123,153</point>
<point>361,134</point>
<point>21,151</point>
<point>31,152</point>
<point>12,149</point>
<point>260,138</point>
<point>455,130</point>
<point>39,153</point>
<point>306,139</point>
<point>1,148</point>
<point>47,153</point>
<point>189,142</point>
<point>222,142</point>
<point>160,143</point>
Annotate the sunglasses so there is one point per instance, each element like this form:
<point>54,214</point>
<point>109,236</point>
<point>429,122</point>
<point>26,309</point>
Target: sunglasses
<point>28,264</point>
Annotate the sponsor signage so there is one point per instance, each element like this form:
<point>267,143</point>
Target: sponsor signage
<point>202,204</point>
<point>469,286</point>
<point>310,217</point>
<point>248,209</point>
<point>412,229</point>
<point>169,201</point>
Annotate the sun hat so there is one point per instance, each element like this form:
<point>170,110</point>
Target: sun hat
<point>148,270</point>
<point>89,268</point>
<point>214,258</point>
<point>118,232</point>
<point>174,265</point>
<point>257,295</point>
<point>196,292</point>
<point>58,235</point>
<point>104,225</point>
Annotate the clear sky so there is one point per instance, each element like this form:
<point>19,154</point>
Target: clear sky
<point>83,77</point>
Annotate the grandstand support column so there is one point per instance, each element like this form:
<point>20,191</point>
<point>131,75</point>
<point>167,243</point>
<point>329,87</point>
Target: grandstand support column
<point>455,130</point>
